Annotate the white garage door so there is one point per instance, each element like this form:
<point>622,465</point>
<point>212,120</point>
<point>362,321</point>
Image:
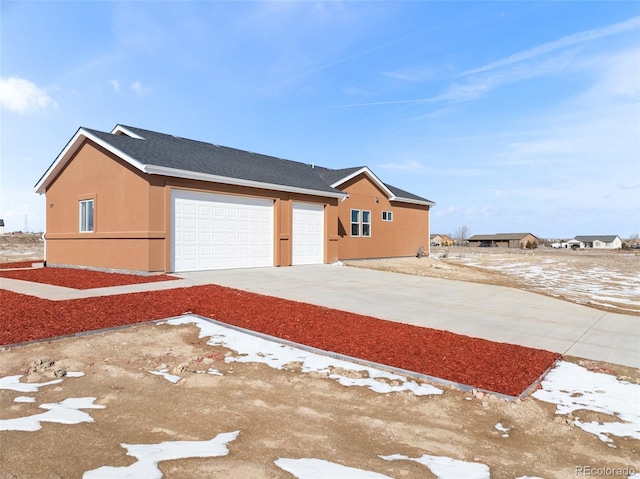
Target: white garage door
<point>308,233</point>
<point>212,231</point>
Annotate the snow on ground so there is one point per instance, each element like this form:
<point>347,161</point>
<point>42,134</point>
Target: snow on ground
<point>573,388</point>
<point>564,276</point>
<point>172,378</point>
<point>149,455</point>
<point>65,412</point>
<point>254,349</point>
<point>445,467</point>
<point>13,383</point>
<point>321,469</point>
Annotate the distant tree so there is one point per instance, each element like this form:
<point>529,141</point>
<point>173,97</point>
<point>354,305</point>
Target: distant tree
<point>460,235</point>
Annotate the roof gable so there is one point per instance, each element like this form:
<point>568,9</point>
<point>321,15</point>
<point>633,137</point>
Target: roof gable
<point>338,177</point>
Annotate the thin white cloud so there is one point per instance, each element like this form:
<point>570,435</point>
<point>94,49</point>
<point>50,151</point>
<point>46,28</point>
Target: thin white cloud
<point>417,74</point>
<point>417,167</point>
<point>136,87</point>
<point>535,62</point>
<point>116,85</point>
<point>564,42</point>
<point>22,96</point>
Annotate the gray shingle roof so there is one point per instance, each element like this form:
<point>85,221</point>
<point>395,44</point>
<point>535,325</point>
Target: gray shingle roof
<point>499,237</point>
<point>162,154</point>
<point>169,151</point>
<point>591,239</point>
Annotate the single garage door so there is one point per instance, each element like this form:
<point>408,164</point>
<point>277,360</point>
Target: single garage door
<point>308,234</point>
<point>212,231</point>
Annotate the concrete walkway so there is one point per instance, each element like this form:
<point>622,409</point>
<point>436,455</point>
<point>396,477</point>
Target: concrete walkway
<point>491,312</point>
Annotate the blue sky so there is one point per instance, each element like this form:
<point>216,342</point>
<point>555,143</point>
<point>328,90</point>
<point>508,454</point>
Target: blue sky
<point>511,116</point>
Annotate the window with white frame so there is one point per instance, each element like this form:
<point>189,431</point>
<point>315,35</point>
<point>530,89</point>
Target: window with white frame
<point>86,216</point>
<point>355,222</point>
<point>387,216</point>
<point>361,223</point>
<point>366,223</point>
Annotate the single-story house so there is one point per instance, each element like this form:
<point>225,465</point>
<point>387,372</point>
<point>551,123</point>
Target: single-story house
<point>1,226</point>
<point>600,242</point>
<point>504,240</point>
<point>441,240</point>
<point>134,199</point>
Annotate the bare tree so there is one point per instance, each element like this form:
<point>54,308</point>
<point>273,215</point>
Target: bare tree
<point>461,235</point>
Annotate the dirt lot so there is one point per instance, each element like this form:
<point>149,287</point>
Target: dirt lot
<point>286,413</point>
<point>279,413</point>
<point>21,247</point>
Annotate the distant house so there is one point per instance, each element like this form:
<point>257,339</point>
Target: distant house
<point>504,240</point>
<point>441,240</point>
<point>600,242</point>
<point>1,227</point>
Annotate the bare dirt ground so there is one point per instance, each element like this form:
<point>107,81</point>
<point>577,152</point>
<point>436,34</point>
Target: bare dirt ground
<point>283,413</point>
<point>21,247</point>
<point>279,413</point>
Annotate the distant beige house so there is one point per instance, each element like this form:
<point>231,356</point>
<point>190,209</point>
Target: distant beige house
<point>600,242</point>
<point>504,240</point>
<point>441,240</point>
<point>1,227</point>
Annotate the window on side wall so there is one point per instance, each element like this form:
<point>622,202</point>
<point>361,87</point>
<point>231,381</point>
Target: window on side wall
<point>355,222</point>
<point>86,216</point>
<point>387,216</point>
<point>366,223</point>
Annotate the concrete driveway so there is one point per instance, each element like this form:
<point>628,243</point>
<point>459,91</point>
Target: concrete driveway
<point>484,311</point>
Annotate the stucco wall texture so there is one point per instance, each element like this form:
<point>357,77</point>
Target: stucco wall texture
<point>132,217</point>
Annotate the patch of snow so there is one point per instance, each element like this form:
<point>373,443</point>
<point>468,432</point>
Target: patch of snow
<point>74,374</point>
<point>165,374</point>
<point>149,455</point>
<point>253,349</point>
<point>65,412</point>
<point>24,399</point>
<point>13,383</point>
<point>213,371</point>
<point>503,429</point>
<point>572,388</point>
<point>445,467</point>
<point>320,469</point>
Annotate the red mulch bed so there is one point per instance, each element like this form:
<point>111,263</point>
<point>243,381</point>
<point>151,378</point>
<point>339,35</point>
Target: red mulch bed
<point>81,278</point>
<point>498,367</point>
<point>19,264</point>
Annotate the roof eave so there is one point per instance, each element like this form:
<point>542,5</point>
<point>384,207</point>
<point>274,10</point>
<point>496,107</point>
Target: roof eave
<point>412,201</point>
<point>70,149</point>
<point>194,175</point>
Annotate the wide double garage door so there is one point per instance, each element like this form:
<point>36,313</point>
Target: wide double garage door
<point>213,231</point>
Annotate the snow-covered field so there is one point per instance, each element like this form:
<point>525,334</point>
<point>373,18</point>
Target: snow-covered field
<point>597,278</point>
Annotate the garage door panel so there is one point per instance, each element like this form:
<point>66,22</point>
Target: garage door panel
<point>212,231</point>
<point>308,233</point>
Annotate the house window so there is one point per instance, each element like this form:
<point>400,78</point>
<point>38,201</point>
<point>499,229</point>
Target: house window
<point>387,216</point>
<point>361,223</point>
<point>366,223</point>
<point>86,216</point>
<point>355,222</point>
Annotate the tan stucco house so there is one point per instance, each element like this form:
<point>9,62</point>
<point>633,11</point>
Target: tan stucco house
<point>134,199</point>
<point>441,240</point>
